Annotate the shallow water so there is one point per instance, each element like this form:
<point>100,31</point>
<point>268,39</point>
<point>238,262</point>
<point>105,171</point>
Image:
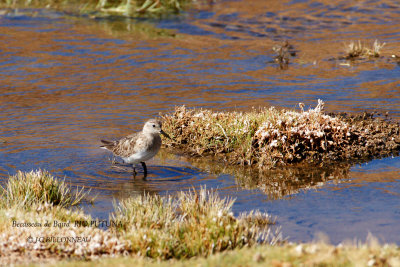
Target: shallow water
<point>67,82</point>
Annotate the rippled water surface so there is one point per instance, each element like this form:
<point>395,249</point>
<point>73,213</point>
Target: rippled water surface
<point>67,82</point>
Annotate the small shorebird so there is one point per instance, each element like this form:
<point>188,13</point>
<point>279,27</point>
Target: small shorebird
<point>138,147</point>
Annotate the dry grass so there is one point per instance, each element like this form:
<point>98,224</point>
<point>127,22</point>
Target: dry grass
<point>269,137</point>
<point>358,50</point>
<point>193,224</point>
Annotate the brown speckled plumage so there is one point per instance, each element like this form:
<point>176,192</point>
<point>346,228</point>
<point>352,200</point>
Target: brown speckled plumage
<point>138,147</point>
<point>133,143</point>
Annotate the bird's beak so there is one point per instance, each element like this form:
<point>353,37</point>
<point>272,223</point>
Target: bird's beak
<point>165,134</point>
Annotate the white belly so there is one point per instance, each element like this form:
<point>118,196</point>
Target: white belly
<point>139,157</point>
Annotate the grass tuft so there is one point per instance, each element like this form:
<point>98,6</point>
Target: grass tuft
<point>196,223</point>
<point>358,50</point>
<point>26,189</point>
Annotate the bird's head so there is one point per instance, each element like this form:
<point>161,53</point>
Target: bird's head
<point>154,126</point>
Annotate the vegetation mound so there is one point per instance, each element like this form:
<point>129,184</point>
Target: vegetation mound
<point>270,137</point>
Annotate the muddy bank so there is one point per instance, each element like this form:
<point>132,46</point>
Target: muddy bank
<point>267,138</point>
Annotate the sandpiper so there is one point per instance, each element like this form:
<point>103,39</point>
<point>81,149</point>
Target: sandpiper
<point>138,147</point>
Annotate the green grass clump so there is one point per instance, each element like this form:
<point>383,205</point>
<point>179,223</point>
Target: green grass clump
<point>193,224</point>
<point>26,189</point>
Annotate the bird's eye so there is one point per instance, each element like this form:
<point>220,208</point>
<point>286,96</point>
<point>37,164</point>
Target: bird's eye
<point>154,125</point>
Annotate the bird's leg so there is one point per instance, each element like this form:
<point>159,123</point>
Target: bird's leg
<point>144,168</point>
<point>134,171</point>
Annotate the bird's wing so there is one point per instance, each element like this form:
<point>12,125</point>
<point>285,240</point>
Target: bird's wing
<point>128,145</point>
<point>107,144</point>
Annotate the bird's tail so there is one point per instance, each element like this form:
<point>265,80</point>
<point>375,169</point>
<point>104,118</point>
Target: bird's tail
<point>107,144</point>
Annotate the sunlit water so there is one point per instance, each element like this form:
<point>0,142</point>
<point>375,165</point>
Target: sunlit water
<point>66,83</point>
